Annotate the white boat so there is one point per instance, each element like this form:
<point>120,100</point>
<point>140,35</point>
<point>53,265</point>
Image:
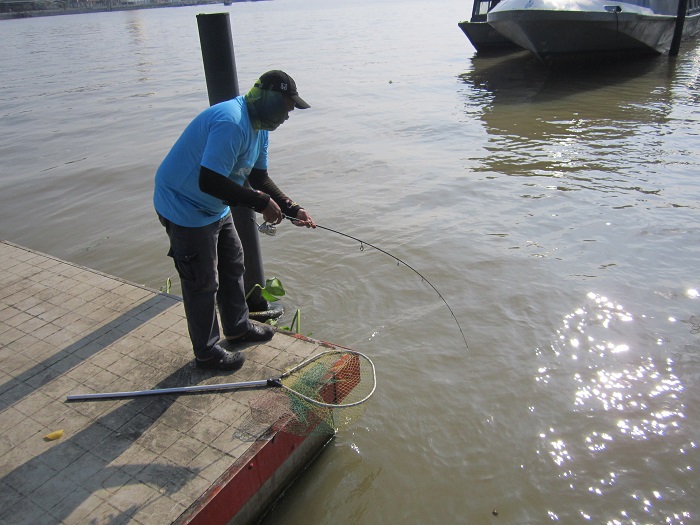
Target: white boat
<point>560,29</point>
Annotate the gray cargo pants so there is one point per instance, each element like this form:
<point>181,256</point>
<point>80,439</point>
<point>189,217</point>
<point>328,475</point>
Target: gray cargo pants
<point>209,261</point>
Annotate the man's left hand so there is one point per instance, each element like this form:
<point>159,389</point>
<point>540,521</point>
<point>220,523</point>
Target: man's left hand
<point>304,219</point>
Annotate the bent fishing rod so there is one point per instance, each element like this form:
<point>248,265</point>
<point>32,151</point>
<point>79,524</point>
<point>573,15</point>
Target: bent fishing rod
<point>269,229</point>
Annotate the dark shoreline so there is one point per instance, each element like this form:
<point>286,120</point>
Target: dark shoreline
<point>102,9</point>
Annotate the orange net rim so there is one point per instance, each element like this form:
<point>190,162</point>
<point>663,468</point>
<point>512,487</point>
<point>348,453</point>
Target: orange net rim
<point>318,357</point>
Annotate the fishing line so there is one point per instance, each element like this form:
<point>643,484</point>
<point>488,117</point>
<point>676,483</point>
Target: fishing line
<point>269,229</point>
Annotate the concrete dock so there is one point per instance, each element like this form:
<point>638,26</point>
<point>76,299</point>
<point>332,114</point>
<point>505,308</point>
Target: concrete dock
<point>196,458</point>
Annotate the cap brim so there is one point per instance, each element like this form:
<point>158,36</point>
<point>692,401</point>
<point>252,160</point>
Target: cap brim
<point>299,102</point>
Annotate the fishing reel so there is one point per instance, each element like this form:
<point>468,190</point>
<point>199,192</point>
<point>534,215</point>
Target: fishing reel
<point>267,229</point>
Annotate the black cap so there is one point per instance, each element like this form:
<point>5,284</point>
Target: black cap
<point>276,80</point>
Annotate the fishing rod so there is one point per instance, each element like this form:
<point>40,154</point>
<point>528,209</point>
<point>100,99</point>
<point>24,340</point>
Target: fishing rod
<point>269,229</point>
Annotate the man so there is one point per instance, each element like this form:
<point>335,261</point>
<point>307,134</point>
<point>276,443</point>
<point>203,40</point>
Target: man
<point>203,174</point>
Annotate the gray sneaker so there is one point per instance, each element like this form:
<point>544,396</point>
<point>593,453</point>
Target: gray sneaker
<point>258,333</point>
<point>225,361</point>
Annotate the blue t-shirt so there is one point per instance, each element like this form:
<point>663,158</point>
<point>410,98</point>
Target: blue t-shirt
<point>220,138</point>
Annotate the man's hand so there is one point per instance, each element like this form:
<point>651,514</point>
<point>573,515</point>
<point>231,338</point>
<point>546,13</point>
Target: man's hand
<point>304,219</point>
<point>272,213</point>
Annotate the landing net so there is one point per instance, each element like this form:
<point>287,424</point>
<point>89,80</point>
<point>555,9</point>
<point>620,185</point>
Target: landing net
<point>320,395</point>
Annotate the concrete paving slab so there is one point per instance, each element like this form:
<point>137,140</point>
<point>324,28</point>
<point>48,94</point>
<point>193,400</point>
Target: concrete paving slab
<point>65,329</point>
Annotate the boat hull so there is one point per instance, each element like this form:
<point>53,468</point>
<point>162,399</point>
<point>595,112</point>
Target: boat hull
<point>558,34</point>
<point>485,38</point>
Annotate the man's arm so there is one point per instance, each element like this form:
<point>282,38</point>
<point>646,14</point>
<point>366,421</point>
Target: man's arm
<point>233,194</point>
<point>260,180</point>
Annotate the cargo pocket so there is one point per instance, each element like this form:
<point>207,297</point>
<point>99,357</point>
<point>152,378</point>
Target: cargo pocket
<point>184,263</point>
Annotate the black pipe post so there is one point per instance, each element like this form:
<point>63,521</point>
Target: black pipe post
<point>678,32</point>
<point>218,57</point>
<point>222,84</point>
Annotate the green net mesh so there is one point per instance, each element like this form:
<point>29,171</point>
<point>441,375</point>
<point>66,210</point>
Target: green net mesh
<point>324,394</point>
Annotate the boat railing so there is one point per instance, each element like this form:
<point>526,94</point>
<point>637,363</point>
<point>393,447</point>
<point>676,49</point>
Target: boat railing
<point>481,8</point>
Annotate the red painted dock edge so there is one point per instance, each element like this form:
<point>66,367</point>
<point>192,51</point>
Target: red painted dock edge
<point>254,482</point>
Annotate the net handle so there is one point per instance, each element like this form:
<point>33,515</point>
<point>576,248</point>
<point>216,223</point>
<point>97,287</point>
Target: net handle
<point>274,383</point>
<point>175,390</point>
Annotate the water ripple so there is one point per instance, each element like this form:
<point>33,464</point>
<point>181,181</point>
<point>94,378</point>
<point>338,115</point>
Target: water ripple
<point>615,415</point>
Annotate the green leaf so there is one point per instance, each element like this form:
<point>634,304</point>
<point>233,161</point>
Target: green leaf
<point>166,288</point>
<point>272,292</point>
<point>274,287</point>
<point>268,296</point>
<point>297,321</point>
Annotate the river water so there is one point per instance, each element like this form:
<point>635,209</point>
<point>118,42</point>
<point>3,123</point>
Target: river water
<point>557,212</point>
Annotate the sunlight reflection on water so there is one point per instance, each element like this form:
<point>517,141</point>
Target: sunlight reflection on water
<point>616,379</point>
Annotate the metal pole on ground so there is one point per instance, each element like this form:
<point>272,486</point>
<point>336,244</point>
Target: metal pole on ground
<point>222,84</point>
